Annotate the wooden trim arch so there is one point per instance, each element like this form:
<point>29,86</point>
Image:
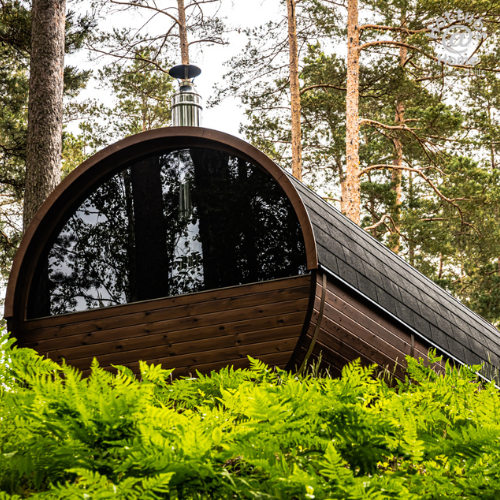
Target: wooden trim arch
<point>111,159</point>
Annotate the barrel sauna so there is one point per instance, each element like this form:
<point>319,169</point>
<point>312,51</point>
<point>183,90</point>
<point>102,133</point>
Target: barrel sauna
<point>190,248</point>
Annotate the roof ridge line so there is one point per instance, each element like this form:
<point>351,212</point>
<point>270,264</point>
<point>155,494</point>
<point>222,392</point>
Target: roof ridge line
<point>394,254</point>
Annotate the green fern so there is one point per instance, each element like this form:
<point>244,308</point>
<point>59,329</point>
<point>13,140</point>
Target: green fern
<point>247,434</point>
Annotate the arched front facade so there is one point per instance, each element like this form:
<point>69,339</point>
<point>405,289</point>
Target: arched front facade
<point>190,248</point>
<point>183,246</point>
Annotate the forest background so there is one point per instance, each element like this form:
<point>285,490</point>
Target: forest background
<point>425,173</point>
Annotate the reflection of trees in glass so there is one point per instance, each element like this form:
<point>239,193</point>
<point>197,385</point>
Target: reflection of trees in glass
<point>180,222</point>
<point>184,246</point>
<point>89,261</point>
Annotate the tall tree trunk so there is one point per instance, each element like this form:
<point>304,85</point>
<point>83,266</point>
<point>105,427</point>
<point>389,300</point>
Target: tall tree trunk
<point>45,107</point>
<point>372,209</point>
<point>492,146</point>
<point>183,32</point>
<point>411,244</point>
<point>398,159</point>
<point>351,195</point>
<point>294,90</point>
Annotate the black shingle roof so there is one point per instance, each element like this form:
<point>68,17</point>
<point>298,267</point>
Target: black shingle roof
<point>369,267</point>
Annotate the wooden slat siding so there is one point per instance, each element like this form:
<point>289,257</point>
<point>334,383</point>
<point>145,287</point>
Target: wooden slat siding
<point>155,304</point>
<point>177,331</point>
<point>364,353</point>
<point>175,343</point>
<point>335,371</point>
<point>334,359</point>
<point>194,307</point>
<point>159,356</point>
<point>377,324</point>
<point>364,326</point>
<point>333,363</point>
<point>207,328</point>
<point>354,330</point>
<point>123,329</point>
<point>281,311</point>
<point>360,338</point>
<point>275,359</point>
<point>308,329</point>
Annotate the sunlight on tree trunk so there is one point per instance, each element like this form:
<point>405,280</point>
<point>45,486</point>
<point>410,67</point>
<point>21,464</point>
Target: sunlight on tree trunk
<point>45,108</point>
<point>294,90</point>
<point>492,144</point>
<point>183,32</point>
<point>411,243</point>
<point>398,160</point>
<point>351,195</point>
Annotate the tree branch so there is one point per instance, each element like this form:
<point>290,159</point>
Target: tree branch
<point>320,86</point>
<point>380,27</point>
<point>412,47</point>
<point>148,7</point>
<point>380,222</point>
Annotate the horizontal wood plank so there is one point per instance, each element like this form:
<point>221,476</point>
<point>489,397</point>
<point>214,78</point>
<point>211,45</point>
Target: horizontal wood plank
<point>351,329</point>
<point>359,337</point>
<point>367,355</point>
<point>204,329</point>
<point>191,360</point>
<point>169,331</point>
<point>395,343</point>
<point>279,359</point>
<point>367,326</point>
<point>155,304</point>
<point>374,314</point>
<point>176,343</point>
<point>253,305</point>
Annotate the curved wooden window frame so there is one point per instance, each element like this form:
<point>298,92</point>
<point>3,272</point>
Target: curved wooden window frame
<point>114,158</point>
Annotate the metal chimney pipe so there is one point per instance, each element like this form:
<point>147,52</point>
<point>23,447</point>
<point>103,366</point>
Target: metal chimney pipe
<point>186,107</point>
<point>186,104</point>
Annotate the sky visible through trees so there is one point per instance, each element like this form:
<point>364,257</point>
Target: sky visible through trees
<point>228,115</point>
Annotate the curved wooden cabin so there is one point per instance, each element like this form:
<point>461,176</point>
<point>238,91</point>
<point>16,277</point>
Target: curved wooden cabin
<point>190,248</point>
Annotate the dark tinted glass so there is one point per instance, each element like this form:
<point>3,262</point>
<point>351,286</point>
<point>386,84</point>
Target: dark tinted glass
<point>180,222</point>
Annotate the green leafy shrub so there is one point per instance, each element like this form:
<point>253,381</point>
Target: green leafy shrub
<point>244,434</point>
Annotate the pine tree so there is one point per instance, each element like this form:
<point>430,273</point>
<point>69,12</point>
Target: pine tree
<point>294,89</point>
<point>45,108</point>
<point>15,48</point>
<point>198,18</point>
<point>418,151</point>
<point>142,94</point>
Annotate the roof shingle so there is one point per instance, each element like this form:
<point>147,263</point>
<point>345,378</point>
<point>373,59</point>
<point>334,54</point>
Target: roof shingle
<point>369,267</point>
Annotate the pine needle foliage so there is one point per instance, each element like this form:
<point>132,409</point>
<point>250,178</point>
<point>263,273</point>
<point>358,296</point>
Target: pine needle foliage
<point>245,434</point>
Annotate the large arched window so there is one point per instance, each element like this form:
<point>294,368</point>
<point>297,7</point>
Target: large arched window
<point>181,221</point>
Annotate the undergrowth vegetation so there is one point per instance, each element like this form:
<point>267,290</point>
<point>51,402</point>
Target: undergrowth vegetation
<point>245,434</point>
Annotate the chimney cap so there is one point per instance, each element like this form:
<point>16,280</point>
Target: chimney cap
<point>185,71</point>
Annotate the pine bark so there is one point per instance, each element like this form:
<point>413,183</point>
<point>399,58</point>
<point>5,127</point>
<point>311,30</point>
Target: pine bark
<point>398,160</point>
<point>492,146</point>
<point>411,244</point>
<point>294,90</point>
<point>351,192</point>
<point>372,210</point>
<point>183,32</point>
<point>45,107</point>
